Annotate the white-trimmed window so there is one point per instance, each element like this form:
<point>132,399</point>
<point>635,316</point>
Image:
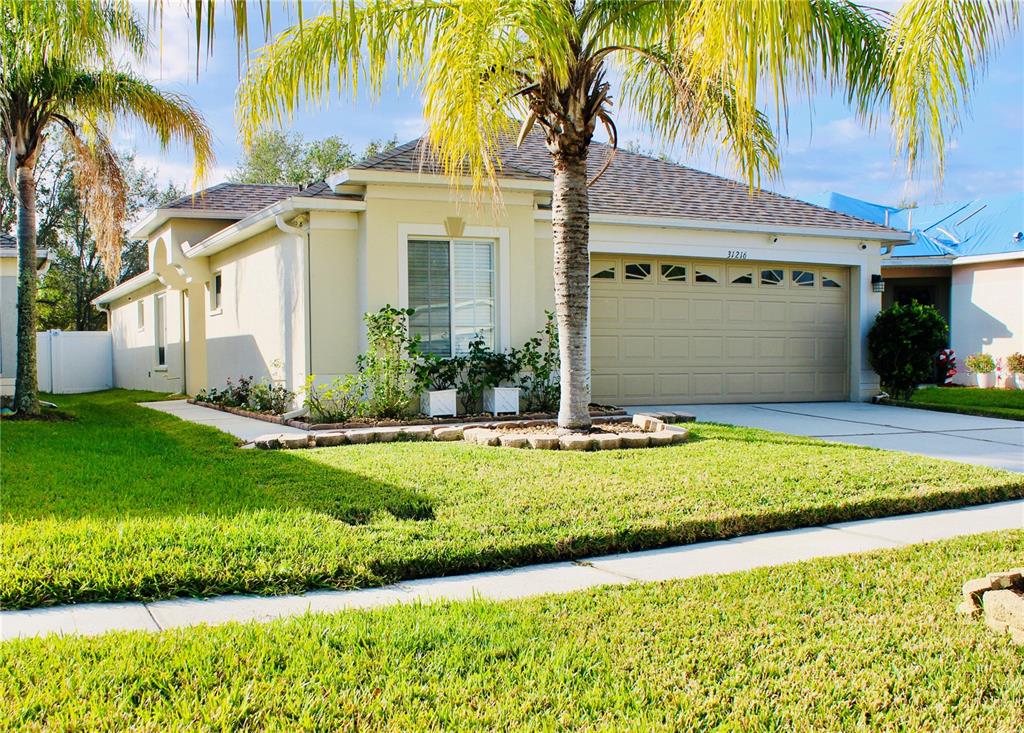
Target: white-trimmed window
<point>216,291</point>
<point>160,329</point>
<point>140,312</point>
<point>451,289</point>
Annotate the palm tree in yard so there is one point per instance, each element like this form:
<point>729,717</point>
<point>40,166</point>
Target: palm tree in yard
<point>58,68</point>
<point>693,71</point>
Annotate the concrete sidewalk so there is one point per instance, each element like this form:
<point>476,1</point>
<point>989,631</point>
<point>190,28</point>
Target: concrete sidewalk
<point>706,558</point>
<point>245,429</point>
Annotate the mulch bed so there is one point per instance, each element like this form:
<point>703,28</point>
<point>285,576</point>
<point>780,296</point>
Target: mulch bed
<point>595,411</point>
<point>599,428</point>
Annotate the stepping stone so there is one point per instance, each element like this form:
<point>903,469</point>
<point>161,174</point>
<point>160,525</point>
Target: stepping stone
<point>634,440</point>
<point>481,436</point>
<point>448,433</point>
<point>416,432</point>
<point>294,442</point>
<point>270,441</point>
<point>513,440</point>
<point>330,439</point>
<point>608,441</point>
<point>576,442</point>
<point>543,442</point>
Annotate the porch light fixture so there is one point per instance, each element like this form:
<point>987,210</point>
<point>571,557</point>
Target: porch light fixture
<point>877,284</point>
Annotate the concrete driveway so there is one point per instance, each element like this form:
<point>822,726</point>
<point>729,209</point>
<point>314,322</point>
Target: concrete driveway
<point>984,441</point>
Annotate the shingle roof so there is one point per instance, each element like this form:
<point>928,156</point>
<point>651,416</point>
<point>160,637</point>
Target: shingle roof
<point>7,241</point>
<point>248,198</point>
<point>637,184</point>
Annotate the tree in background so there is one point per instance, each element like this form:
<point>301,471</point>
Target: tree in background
<point>275,156</point>
<point>692,71</point>
<point>62,68</point>
<point>76,274</point>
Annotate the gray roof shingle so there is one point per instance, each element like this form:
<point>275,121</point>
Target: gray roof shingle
<point>248,198</point>
<point>7,241</point>
<point>636,184</point>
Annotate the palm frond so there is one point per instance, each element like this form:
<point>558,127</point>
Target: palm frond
<point>109,96</point>
<point>935,51</point>
<point>103,193</point>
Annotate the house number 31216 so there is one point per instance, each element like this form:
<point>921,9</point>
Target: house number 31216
<point>736,254</point>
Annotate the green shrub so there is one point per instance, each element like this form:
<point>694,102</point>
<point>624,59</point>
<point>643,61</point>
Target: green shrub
<point>248,394</point>
<point>902,345</point>
<point>484,368</point>
<point>980,363</point>
<point>387,366</point>
<point>537,364</point>
<point>339,401</point>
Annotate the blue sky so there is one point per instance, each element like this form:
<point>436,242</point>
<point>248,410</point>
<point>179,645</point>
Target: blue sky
<point>827,148</point>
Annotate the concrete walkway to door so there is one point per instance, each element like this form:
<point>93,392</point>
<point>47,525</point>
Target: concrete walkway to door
<point>984,441</point>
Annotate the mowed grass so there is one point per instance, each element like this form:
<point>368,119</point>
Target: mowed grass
<point>868,642</point>
<point>1005,403</point>
<point>128,503</point>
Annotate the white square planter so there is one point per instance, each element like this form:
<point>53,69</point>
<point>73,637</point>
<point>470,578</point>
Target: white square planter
<point>501,400</point>
<point>439,403</point>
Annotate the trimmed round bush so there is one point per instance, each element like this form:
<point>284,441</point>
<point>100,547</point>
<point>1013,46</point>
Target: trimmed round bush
<point>902,345</point>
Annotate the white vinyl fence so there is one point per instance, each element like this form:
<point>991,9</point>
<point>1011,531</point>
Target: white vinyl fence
<point>74,361</point>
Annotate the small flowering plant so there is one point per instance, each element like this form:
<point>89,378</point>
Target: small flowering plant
<point>1015,363</point>
<point>947,363</point>
<point>981,363</point>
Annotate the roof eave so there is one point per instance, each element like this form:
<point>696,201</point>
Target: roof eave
<point>126,288</point>
<point>264,219</point>
<point>982,259</point>
<point>156,218</point>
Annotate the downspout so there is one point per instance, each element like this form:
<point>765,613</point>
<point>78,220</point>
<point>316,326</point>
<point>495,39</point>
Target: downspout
<point>302,233</point>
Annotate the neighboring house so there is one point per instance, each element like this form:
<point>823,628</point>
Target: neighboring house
<point>9,307</point>
<point>701,290</point>
<point>966,259</point>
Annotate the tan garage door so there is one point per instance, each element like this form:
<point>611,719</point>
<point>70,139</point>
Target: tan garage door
<point>668,330</point>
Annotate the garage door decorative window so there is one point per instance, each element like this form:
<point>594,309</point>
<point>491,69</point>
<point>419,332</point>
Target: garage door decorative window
<point>674,273</point>
<point>803,278</point>
<point>773,277</point>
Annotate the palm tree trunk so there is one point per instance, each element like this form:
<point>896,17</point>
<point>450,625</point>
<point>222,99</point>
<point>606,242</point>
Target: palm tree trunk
<point>570,228</point>
<point>26,387</point>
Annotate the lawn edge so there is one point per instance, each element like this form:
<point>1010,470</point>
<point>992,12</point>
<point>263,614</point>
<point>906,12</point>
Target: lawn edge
<point>955,409</point>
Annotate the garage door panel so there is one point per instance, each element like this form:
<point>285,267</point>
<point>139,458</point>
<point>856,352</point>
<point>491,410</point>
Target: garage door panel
<point>673,386</point>
<point>707,311</point>
<point>603,308</point>
<point>739,347</point>
<point>673,348</point>
<point>707,347</point>
<point>656,340</point>
<point>638,347</point>
<point>673,309</point>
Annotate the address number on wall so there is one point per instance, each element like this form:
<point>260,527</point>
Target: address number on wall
<point>736,254</point>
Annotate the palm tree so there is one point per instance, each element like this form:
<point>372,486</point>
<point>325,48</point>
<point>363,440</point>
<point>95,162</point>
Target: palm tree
<point>694,71</point>
<point>59,68</point>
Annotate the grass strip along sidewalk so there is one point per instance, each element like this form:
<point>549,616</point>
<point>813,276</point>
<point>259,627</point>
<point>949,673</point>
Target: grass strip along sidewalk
<point>865,642</point>
<point>127,503</point>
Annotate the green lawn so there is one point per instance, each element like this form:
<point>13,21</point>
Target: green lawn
<point>127,503</point>
<point>867,642</point>
<point>1005,403</point>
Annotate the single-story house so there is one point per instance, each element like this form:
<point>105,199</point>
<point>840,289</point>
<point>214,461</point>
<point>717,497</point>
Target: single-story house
<point>967,259</point>
<point>9,307</point>
<point>702,291</point>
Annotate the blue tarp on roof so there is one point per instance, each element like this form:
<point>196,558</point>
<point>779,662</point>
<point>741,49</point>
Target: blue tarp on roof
<point>982,226</point>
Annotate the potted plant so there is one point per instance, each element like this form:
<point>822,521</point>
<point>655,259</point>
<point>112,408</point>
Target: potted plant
<point>1015,369</point>
<point>435,381</point>
<point>984,367</point>
<point>487,378</point>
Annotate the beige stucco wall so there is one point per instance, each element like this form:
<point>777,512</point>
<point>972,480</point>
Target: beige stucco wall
<point>357,263</point>
<point>260,330</point>
<point>8,322</point>
<point>134,347</point>
<point>987,304</point>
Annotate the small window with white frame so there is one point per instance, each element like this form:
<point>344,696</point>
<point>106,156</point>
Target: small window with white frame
<point>140,314</point>
<point>160,329</point>
<point>216,292</point>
